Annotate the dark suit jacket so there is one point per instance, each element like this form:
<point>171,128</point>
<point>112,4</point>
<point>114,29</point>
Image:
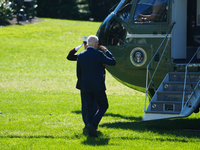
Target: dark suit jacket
<point>71,55</point>
<point>90,69</point>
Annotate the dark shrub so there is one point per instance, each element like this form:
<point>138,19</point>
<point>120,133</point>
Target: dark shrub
<point>62,9</point>
<point>5,11</point>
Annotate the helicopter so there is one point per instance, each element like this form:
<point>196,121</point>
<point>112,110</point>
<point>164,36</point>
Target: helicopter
<point>156,47</point>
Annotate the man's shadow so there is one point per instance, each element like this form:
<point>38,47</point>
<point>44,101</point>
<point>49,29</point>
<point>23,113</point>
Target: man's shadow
<point>97,141</point>
<point>100,140</point>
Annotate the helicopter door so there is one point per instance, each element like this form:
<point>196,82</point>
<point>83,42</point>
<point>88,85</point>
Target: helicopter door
<point>179,32</point>
<point>198,12</point>
<point>197,28</point>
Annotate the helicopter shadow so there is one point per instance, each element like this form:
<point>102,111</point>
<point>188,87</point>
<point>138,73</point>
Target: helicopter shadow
<point>187,127</point>
<point>183,127</point>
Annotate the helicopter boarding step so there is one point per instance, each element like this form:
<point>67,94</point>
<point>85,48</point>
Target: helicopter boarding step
<point>168,102</point>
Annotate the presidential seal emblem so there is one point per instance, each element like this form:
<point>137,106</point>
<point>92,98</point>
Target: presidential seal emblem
<point>138,57</point>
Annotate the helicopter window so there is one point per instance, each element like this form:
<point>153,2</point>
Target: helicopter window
<point>114,34</point>
<point>151,11</point>
<point>124,11</point>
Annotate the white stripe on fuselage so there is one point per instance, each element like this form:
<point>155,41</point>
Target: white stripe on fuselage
<point>146,35</point>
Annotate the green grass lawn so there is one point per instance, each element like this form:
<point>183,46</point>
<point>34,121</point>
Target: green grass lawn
<point>41,107</point>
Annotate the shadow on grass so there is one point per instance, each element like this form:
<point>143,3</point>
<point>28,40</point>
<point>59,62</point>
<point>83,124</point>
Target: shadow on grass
<point>123,117</point>
<point>115,115</point>
<point>76,112</point>
<point>183,127</point>
<point>101,140</point>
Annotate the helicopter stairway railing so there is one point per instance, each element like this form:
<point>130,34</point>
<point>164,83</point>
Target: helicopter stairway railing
<point>177,96</point>
<point>195,91</point>
<point>148,66</point>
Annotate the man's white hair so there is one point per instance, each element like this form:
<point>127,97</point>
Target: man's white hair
<point>92,39</point>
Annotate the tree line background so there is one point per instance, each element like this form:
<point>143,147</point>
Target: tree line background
<point>95,10</point>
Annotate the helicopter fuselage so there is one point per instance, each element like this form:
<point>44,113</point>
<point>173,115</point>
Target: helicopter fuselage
<point>136,29</point>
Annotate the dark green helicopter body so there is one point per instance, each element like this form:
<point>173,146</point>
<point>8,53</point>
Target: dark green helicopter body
<point>134,43</point>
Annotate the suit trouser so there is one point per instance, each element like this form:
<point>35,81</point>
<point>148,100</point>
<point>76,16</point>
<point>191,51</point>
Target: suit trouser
<point>88,106</point>
<point>83,108</point>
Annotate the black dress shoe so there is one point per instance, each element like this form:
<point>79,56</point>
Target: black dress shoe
<point>92,130</point>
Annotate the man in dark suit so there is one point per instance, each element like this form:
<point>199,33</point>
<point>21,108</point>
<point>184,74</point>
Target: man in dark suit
<point>72,56</point>
<point>91,81</point>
